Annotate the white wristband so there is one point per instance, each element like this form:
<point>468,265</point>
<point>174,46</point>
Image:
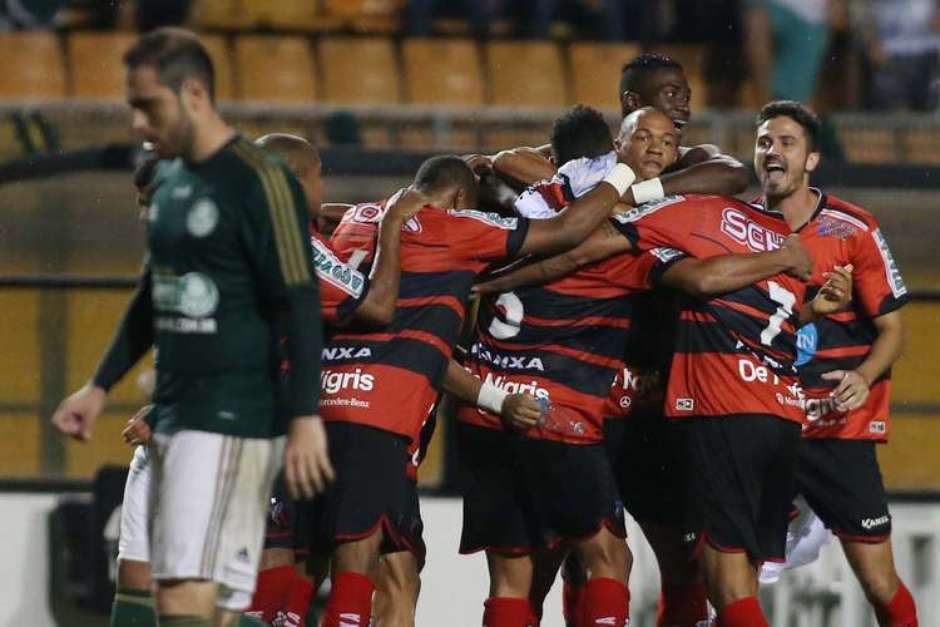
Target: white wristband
<point>621,177</point>
<point>491,398</point>
<point>646,191</point>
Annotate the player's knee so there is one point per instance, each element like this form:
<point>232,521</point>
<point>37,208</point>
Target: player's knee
<point>134,575</point>
<point>880,584</point>
<point>510,576</point>
<point>606,555</point>
<point>358,556</point>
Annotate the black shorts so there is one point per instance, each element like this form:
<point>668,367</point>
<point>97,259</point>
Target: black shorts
<point>371,490</point>
<point>740,478</point>
<point>841,481</point>
<point>279,530</point>
<point>521,494</point>
<point>647,466</point>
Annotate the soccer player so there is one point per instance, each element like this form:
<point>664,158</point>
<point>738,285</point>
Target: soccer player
<point>565,341</point>
<point>845,359</point>
<point>379,387</point>
<point>228,253</point>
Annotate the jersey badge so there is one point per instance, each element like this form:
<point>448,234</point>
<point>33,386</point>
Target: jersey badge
<point>807,340</point>
<point>202,218</point>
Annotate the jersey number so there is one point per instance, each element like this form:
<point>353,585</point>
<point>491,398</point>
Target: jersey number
<point>786,299</point>
<point>507,320</point>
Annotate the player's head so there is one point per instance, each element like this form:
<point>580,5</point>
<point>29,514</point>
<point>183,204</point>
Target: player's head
<point>143,181</point>
<point>580,132</point>
<point>655,80</point>
<point>648,142</point>
<point>448,182</point>
<point>303,160</point>
<point>170,87</point>
<point>786,149</point>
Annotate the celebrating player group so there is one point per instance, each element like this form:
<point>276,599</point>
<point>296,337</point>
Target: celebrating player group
<point>618,333</point>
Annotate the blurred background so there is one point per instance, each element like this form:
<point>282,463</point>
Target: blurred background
<point>381,84</point>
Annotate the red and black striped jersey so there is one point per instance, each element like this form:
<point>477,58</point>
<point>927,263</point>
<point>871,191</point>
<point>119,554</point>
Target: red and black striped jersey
<point>841,233</point>
<point>389,379</point>
<point>734,353</point>
<point>342,288</point>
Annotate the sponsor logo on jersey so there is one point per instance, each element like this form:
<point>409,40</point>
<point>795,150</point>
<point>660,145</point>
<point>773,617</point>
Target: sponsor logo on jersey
<point>872,523</point>
<point>332,381</point>
<point>750,372</point>
<point>333,271</point>
<point>202,218</point>
<point>625,402</point>
<point>335,353</point>
<point>181,192</point>
<point>807,340</point>
<point>506,362</point>
<point>194,294</point>
<point>508,319</point>
<point>738,226</point>
<point>892,272</point>
<point>493,219</point>
<point>878,426</point>
<point>835,228</point>
<point>517,387</point>
<point>685,404</point>
<point>816,408</point>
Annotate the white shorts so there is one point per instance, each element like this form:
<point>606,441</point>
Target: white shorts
<point>209,503</point>
<point>134,541</point>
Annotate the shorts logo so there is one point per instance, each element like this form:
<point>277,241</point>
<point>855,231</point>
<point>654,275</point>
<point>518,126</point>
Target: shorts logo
<point>871,523</point>
<point>878,426</point>
<point>739,227</point>
<point>685,404</point>
<point>202,218</point>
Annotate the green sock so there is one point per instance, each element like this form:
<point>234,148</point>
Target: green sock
<point>133,608</point>
<point>249,621</point>
<point>185,621</point>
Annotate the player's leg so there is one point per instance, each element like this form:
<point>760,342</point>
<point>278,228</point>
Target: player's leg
<point>277,570</point>
<point>133,599</point>
<point>355,564</point>
<point>397,586</point>
<point>683,599</point>
<point>841,481</point>
<point>545,568</point>
<point>510,582</point>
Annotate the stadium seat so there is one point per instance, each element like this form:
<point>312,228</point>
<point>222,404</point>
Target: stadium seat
<point>595,70</point>
<point>442,71</point>
<point>33,66</point>
<point>19,445</point>
<point>218,49</point>
<point>359,70</point>
<point>921,146</point>
<point>275,69</point>
<point>226,14</point>
<point>96,68</point>
<point>294,15</point>
<point>693,58</point>
<point>526,74</point>
<point>869,145</point>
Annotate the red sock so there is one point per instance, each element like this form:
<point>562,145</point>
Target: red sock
<point>683,605</point>
<point>271,591</point>
<point>604,601</point>
<point>350,603</point>
<point>571,596</point>
<point>900,611</point>
<point>506,612</point>
<point>298,602</point>
<point>744,612</point>
<point>535,615</point>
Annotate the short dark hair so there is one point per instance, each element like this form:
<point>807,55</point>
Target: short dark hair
<point>799,113</point>
<point>634,73</point>
<point>445,172</point>
<point>176,55</point>
<point>580,132</point>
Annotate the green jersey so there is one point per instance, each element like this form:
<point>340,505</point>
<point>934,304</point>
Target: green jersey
<point>230,274</point>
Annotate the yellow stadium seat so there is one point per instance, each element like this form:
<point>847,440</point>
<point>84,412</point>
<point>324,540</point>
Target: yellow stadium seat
<point>227,14</point>
<point>692,58</point>
<point>294,15</point>
<point>97,71</point>
<point>595,71</point>
<point>442,71</point>
<point>359,70</point>
<point>921,146</point>
<point>869,145</point>
<point>19,445</point>
<point>33,66</point>
<point>275,69</point>
<point>218,49</point>
<point>526,74</point>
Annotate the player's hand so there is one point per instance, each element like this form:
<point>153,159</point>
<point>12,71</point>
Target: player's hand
<point>521,411</point>
<point>852,390</point>
<point>76,415</point>
<point>307,467</point>
<point>798,258</point>
<point>836,292</point>
<point>405,204</point>
<point>137,430</point>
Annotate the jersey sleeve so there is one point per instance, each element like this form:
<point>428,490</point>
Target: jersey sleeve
<point>665,223</point>
<point>878,283</point>
<point>276,237</point>
<point>342,289</point>
<point>486,236</point>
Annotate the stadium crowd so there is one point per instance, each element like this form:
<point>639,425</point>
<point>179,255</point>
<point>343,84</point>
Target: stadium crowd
<point>618,331</point>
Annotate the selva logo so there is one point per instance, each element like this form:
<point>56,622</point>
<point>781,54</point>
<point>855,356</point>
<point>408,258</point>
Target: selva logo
<point>742,229</point>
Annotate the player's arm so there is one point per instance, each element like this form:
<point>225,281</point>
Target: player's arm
<point>718,174</point>
<point>520,411</point>
<point>703,278</point>
<point>522,166</point>
<point>331,214</point>
<point>378,306</point>
<point>76,415</point>
<point>276,236</point>
<point>573,225</point>
<point>885,351</point>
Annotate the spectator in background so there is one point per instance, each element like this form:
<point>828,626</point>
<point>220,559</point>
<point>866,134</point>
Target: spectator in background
<point>902,39</point>
<point>27,14</point>
<point>786,41</point>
